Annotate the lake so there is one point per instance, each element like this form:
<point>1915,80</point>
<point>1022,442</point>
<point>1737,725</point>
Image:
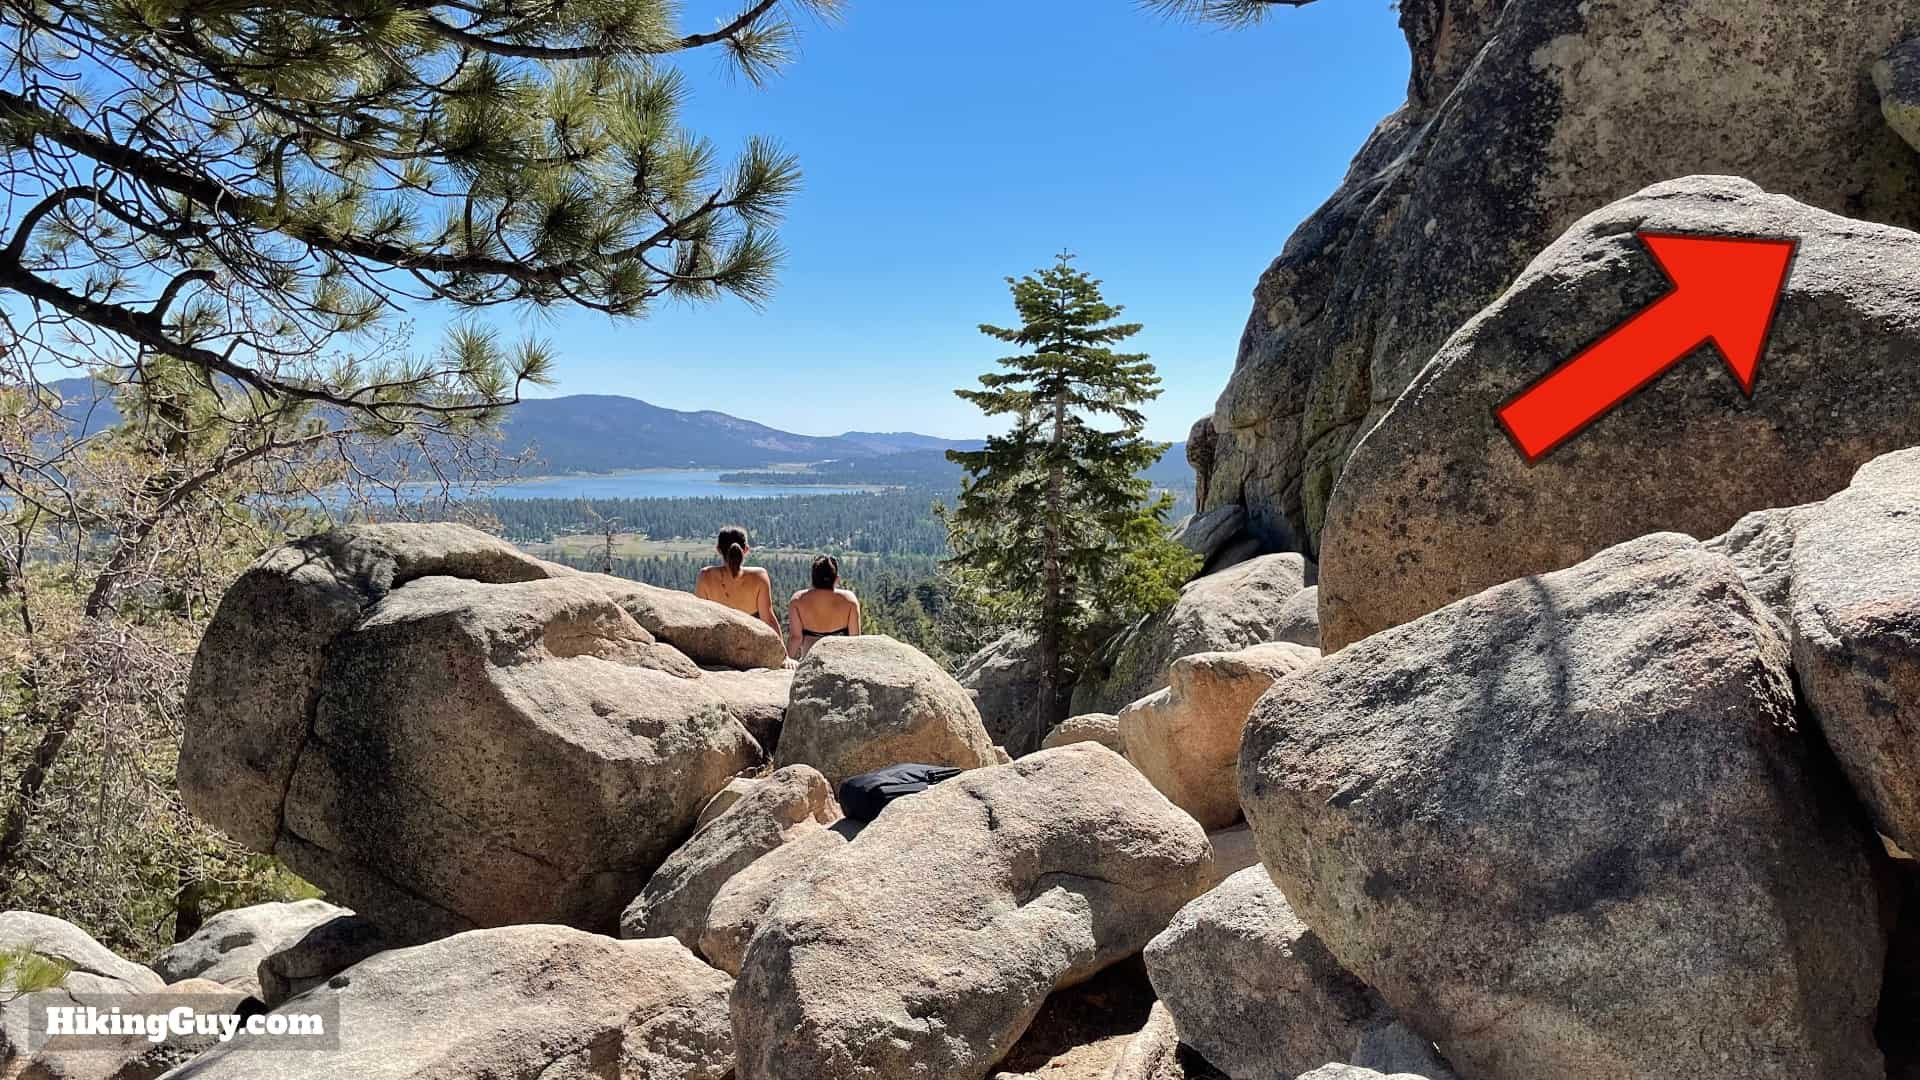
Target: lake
<point>654,484</point>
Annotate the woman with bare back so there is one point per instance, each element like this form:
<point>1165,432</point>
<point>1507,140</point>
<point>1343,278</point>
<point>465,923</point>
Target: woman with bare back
<point>824,611</point>
<point>734,583</point>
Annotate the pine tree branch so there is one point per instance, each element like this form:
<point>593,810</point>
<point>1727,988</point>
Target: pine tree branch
<point>518,50</point>
<point>149,330</point>
<point>24,120</point>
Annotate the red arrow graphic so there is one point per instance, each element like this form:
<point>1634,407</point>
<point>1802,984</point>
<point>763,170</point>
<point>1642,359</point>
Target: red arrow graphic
<point>1725,290</point>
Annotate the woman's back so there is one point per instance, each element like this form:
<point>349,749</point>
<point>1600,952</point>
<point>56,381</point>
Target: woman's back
<point>741,587</point>
<point>741,591</point>
<point>826,610</point>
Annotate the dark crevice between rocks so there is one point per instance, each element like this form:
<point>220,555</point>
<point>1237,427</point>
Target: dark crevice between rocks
<point>1111,1005</point>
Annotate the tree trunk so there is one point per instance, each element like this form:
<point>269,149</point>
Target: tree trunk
<point>1053,687</point>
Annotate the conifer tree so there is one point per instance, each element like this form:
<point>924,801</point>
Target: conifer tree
<point>255,189</point>
<point>1054,524</point>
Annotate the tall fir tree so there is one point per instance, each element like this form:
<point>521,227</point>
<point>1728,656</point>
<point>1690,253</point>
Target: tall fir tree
<point>1054,524</point>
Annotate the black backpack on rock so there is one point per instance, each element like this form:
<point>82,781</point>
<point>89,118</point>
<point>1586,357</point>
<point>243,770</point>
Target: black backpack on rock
<point>864,796</point>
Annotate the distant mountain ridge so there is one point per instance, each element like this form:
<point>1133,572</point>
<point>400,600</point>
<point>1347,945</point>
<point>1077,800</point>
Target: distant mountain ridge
<point>605,432</point>
<point>590,433</point>
<point>608,432</point>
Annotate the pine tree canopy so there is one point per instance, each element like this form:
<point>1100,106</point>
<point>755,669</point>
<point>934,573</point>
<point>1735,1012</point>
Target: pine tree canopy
<point>1054,522</point>
<point>1229,12</point>
<point>254,188</point>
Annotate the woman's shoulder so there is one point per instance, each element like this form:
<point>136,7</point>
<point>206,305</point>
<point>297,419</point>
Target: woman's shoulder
<point>847,595</point>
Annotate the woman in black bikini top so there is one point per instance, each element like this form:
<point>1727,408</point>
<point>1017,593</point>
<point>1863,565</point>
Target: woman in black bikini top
<point>824,605</point>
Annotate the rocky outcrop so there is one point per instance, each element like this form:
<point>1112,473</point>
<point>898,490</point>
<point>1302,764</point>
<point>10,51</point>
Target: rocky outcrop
<point>1185,739</point>
<point>778,810</point>
<point>136,1056</point>
<point>1219,537</point>
<point>229,947</point>
<point>1760,546</point>
<point>1522,115</point>
<point>252,686</point>
<point>734,790</point>
<point>1856,634</point>
<point>712,634</point>
<point>1237,607</point>
<point>757,698</point>
<point>318,955</point>
<point>1897,78</point>
<point>444,752</point>
<point>513,1003</point>
<point>1156,1053</point>
<point>1099,727</point>
<point>1569,827</point>
<point>1436,503</point>
<point>1337,1071</point>
<point>925,946</point>
<point>863,703</point>
<point>1004,679</point>
<point>1260,996</point>
<point>94,969</point>
<point>1081,1032</point>
<point>740,905</point>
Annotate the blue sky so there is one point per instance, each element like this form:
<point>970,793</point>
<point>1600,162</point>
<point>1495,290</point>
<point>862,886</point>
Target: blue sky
<point>949,144</point>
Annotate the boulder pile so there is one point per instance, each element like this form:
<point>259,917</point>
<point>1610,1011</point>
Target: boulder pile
<point>1523,116</point>
<point>446,733</point>
<point>1610,769</point>
<point>1437,503</point>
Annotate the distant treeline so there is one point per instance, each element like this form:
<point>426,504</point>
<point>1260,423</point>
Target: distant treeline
<point>931,469</point>
<point>913,468</point>
<point>894,522</point>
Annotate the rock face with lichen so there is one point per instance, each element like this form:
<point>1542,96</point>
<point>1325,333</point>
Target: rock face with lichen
<point>1523,115</point>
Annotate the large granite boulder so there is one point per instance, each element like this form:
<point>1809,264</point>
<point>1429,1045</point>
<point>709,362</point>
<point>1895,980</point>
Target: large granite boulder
<point>1240,606</point>
<point>925,946</point>
<point>712,634</point>
<point>137,1055</point>
<point>321,953</point>
<point>1897,78</point>
<point>863,703</point>
<point>230,946</point>
<point>778,810</point>
<point>93,969</point>
<point>1185,739</point>
<point>1436,503</point>
<point>443,752</point>
<point>1521,116</point>
<point>758,699</point>
<point>1338,1071</point>
<point>1569,827</point>
<point>1004,679</point>
<point>510,1003</point>
<point>741,904</point>
<point>250,694</point>
<point>1098,727</point>
<point>1260,996</point>
<point>1856,634</point>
